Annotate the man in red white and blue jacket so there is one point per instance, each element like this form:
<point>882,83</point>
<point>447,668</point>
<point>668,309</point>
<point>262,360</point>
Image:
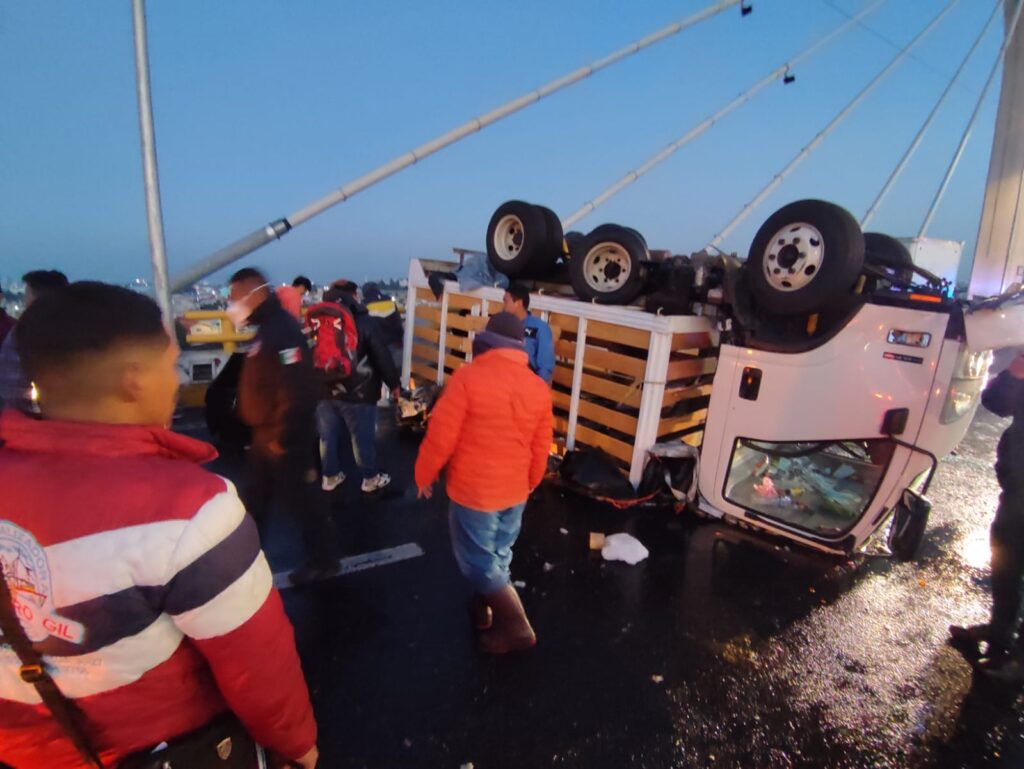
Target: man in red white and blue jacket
<point>136,573</point>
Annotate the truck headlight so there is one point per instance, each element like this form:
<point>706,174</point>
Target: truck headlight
<point>966,385</point>
<point>976,365</point>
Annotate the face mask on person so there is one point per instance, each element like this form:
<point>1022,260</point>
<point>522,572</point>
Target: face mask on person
<point>238,312</point>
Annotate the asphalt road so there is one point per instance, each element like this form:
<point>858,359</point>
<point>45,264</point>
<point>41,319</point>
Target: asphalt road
<point>714,652</point>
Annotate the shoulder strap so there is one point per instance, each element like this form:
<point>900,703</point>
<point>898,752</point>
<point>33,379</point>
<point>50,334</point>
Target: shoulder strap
<point>33,671</point>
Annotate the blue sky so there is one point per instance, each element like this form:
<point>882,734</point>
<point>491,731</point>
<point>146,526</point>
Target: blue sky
<point>262,106</point>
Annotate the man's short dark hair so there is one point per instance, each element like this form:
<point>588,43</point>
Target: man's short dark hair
<point>41,281</point>
<point>302,280</point>
<point>345,286</point>
<point>81,319</point>
<point>520,293</point>
<point>246,274</point>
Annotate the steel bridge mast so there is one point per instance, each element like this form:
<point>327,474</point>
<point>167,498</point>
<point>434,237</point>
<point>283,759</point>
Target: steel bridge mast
<point>999,254</point>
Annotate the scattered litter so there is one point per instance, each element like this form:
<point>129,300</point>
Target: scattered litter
<point>407,742</point>
<point>468,765</point>
<point>657,679</point>
<point>811,590</point>
<point>623,547</point>
<point>519,583</point>
<point>548,566</point>
<point>564,531</point>
<point>596,540</point>
<point>921,583</point>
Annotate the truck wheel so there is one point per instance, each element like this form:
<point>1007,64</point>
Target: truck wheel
<point>516,235</point>
<point>887,252</point>
<point>804,256</point>
<point>609,267</point>
<point>906,532</point>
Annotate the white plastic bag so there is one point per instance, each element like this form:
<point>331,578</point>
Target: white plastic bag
<point>623,547</point>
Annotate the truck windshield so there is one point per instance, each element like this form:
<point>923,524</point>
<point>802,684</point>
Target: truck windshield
<point>823,487</point>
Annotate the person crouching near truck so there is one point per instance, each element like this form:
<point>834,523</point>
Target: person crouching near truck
<point>1004,656</point>
<point>492,431</point>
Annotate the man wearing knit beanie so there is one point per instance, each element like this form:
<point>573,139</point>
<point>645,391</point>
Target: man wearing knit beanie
<point>492,431</point>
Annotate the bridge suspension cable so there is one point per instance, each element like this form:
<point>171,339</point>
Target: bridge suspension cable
<point>277,229</point>
<point>902,164</point>
<point>842,115</point>
<point>955,161</point>
<point>705,124</point>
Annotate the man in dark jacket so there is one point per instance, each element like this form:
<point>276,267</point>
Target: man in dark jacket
<point>352,405</point>
<point>1004,657</point>
<point>277,396</point>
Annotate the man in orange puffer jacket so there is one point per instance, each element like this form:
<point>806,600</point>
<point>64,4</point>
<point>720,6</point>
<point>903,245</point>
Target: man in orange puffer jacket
<point>492,428</point>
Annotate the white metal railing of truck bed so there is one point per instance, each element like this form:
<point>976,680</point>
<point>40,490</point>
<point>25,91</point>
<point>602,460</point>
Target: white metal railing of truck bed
<point>625,379</point>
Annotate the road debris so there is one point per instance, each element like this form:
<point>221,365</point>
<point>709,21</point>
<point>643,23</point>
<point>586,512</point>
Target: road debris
<point>624,547</point>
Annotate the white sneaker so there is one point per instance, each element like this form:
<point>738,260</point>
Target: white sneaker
<point>376,483</point>
<point>331,482</point>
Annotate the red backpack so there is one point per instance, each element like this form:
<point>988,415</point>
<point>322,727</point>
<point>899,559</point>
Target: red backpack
<point>333,338</point>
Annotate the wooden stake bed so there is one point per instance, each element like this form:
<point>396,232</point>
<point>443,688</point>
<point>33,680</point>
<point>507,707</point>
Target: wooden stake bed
<point>624,378</point>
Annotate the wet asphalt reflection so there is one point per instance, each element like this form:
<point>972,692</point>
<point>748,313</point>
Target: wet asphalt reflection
<point>716,651</point>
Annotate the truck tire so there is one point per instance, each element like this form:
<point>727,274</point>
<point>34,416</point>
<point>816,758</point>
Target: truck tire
<point>544,261</point>
<point>615,227</point>
<point>887,252</point>
<point>803,257</point>
<point>609,267</point>
<point>573,240</point>
<point>907,532</point>
<point>516,235</point>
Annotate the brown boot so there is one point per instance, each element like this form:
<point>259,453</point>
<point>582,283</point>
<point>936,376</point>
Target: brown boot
<point>511,631</point>
<point>480,613</point>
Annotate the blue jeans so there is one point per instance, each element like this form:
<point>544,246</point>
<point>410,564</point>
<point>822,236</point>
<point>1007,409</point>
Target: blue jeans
<point>359,420</point>
<point>482,544</point>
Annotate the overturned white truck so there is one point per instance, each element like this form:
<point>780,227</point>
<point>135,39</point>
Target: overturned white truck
<point>822,378</point>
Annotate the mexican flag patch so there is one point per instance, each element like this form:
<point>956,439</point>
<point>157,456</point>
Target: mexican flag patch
<point>290,356</point>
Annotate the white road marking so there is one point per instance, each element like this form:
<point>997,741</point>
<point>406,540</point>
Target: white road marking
<point>354,563</point>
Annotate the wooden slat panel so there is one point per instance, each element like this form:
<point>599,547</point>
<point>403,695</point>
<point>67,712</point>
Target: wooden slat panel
<point>494,308</point>
<point>586,436</point>
<point>462,322</point>
<point>454,362</point>
<point>673,396</point>
<point>424,295</point>
<point>684,369</point>
<point>611,332</point>
<point>670,425</point>
<point>616,420</point>
<point>602,388</point>
<point>428,373</point>
<point>597,358</point>
<point>429,313</point>
<point>476,322</point>
<point>463,302</point>
<point>694,439</point>
<point>426,334</point>
<point>568,323</point>
<point>460,343</point>
<point>690,341</point>
<point>424,352</point>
